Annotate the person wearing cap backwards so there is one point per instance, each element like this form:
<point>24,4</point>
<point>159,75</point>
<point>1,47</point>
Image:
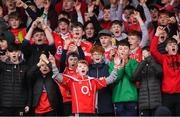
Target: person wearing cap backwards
<point>105,38</point>
<point>14,86</point>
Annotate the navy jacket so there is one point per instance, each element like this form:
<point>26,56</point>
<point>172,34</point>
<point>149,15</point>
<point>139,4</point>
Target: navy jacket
<point>104,95</point>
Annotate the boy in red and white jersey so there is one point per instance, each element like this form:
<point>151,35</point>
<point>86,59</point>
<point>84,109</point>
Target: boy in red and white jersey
<point>83,88</point>
<point>62,32</point>
<point>76,40</point>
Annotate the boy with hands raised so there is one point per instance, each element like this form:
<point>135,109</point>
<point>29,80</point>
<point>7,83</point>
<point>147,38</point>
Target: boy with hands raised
<point>171,77</point>
<point>83,88</point>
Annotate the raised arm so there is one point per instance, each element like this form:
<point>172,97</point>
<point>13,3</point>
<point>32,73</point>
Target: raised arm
<point>56,74</point>
<point>145,34</point>
<point>31,13</point>
<point>47,32</point>
<point>154,44</point>
<point>146,12</point>
<point>116,11</point>
<point>78,11</point>
<point>29,33</point>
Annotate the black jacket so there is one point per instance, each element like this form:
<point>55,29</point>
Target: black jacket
<point>38,81</point>
<point>149,74</point>
<point>33,52</point>
<point>14,85</point>
<point>105,94</point>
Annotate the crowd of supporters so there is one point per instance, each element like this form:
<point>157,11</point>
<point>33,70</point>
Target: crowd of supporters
<point>90,57</point>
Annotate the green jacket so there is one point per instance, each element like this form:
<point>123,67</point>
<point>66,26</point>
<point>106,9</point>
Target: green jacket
<point>124,86</point>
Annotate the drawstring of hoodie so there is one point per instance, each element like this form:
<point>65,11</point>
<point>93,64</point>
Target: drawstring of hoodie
<point>89,81</point>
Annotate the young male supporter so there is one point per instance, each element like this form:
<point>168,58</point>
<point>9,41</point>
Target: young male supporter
<point>105,38</point>
<point>98,68</point>
<point>15,22</point>
<point>14,85</point>
<point>134,39</point>
<point>117,30</point>
<point>124,94</point>
<point>149,75</point>
<point>70,69</point>
<point>62,33</point>
<point>46,97</point>
<point>42,42</point>
<point>83,88</point>
<point>171,77</point>
<point>167,20</point>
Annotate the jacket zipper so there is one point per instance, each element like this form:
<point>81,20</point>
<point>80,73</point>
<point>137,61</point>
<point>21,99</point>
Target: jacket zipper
<point>97,91</point>
<point>148,85</point>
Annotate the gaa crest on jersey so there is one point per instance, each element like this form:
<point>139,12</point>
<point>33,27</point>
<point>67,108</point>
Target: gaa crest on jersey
<point>59,50</point>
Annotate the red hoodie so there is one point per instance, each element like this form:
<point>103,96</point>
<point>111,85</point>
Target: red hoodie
<point>171,68</point>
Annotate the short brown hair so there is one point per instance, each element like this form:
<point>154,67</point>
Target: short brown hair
<point>14,15</point>
<point>135,33</point>
<point>97,48</point>
<point>83,62</point>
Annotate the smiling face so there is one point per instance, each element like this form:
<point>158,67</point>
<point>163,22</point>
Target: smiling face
<point>89,30</point>
<point>44,68</point>
<point>82,69</point>
<point>39,38</point>
<point>97,57</point>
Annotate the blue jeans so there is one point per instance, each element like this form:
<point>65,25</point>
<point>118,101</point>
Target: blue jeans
<point>125,109</point>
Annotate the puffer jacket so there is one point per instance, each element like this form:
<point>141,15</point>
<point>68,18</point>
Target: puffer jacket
<point>14,85</point>
<point>149,75</point>
<point>104,103</point>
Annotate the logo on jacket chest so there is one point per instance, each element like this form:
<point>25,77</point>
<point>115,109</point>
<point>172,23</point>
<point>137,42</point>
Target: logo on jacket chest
<point>85,90</point>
